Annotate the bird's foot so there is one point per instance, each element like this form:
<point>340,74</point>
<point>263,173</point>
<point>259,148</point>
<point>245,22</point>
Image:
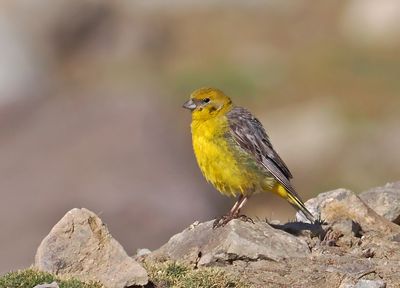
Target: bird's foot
<point>245,218</point>
<point>220,222</point>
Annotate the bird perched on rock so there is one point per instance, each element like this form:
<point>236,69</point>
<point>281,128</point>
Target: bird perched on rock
<point>235,154</point>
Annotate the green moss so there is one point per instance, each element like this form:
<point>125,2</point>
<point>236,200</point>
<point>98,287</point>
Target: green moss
<point>162,275</point>
<point>171,274</point>
<point>31,277</point>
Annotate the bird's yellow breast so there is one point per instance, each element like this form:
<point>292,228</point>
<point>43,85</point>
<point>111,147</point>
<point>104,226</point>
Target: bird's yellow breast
<point>222,163</point>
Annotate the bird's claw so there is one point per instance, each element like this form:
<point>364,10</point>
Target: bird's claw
<point>220,222</point>
<point>245,218</point>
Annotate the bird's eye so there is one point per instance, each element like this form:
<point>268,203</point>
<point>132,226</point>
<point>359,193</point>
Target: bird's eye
<point>206,100</point>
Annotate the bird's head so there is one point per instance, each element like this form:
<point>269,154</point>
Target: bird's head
<point>206,103</point>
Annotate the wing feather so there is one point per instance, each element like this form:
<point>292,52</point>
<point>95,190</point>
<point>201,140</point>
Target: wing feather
<point>249,133</point>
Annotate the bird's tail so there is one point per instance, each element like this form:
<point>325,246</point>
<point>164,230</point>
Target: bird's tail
<point>299,205</point>
<point>294,200</point>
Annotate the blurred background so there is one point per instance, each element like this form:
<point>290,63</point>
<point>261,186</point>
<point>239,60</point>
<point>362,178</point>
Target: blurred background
<point>91,94</point>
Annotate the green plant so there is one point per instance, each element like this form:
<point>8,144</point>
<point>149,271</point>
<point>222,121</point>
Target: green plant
<point>31,277</point>
<point>172,274</point>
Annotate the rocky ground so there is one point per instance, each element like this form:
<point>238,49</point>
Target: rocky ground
<point>357,246</point>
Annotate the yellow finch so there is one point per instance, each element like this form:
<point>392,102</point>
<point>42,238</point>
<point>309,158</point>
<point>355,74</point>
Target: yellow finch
<point>235,154</point>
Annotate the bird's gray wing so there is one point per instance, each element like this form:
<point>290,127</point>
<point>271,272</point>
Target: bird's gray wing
<point>249,133</point>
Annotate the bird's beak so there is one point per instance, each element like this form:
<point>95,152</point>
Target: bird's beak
<point>190,104</point>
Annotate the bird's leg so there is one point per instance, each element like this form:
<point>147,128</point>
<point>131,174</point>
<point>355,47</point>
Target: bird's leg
<point>240,203</point>
<point>236,206</point>
<point>226,218</point>
<point>233,213</point>
<point>237,213</point>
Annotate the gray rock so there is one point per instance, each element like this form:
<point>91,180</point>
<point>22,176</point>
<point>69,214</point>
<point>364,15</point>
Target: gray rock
<point>341,204</point>
<point>79,245</point>
<point>142,252</point>
<point>51,285</point>
<point>202,245</point>
<point>364,283</point>
<point>384,200</point>
<point>347,227</point>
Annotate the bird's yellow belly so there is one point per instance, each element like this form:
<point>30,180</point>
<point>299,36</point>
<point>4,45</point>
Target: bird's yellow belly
<point>224,167</point>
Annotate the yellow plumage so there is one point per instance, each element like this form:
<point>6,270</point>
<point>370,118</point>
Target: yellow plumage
<point>234,153</point>
<point>218,161</point>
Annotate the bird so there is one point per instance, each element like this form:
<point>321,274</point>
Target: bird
<point>235,154</point>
